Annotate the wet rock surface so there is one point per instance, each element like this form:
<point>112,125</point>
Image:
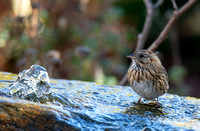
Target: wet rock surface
<point>76,105</point>
<point>20,115</point>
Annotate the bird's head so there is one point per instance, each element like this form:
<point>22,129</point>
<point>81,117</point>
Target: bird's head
<point>144,58</point>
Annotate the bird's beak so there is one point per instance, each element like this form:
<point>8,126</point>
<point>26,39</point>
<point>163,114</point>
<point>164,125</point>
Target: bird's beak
<point>130,56</point>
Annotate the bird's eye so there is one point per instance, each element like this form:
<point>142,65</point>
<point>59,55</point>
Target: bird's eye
<point>141,56</point>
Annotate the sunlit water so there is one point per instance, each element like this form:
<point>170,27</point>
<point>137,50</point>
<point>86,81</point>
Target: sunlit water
<point>90,106</point>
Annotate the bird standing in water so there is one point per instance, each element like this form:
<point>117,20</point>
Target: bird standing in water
<point>147,76</point>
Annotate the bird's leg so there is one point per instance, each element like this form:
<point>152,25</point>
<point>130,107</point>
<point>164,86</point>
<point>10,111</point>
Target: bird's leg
<point>157,104</point>
<point>139,100</point>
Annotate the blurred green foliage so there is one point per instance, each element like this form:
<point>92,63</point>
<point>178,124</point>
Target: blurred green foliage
<point>177,74</point>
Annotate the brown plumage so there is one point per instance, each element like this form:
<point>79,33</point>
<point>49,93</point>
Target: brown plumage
<point>147,76</point>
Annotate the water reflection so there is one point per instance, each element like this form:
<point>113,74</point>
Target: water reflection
<point>146,110</point>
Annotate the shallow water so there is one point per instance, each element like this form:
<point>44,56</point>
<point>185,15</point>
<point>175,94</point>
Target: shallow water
<point>90,106</point>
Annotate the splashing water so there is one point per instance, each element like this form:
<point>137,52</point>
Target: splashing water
<point>33,81</point>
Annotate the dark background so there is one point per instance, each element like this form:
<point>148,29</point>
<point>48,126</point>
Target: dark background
<point>89,39</point>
